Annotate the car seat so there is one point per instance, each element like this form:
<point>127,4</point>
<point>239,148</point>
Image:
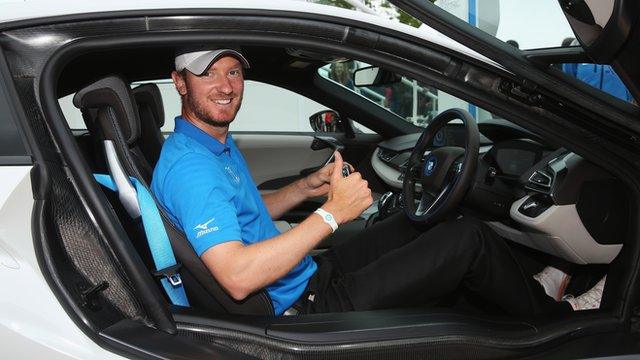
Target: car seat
<point>151,111</point>
<point>111,114</point>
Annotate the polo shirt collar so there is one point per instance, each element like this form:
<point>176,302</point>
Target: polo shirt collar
<point>212,144</point>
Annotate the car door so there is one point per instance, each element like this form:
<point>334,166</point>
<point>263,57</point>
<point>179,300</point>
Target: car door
<point>502,31</point>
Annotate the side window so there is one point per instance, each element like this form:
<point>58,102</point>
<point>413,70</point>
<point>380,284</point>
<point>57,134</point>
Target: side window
<point>71,113</point>
<point>264,108</point>
<point>270,108</point>
<point>601,77</point>
<point>411,100</point>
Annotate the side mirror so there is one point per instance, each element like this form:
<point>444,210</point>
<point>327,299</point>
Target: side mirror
<point>374,76</point>
<point>602,27</point>
<point>326,121</point>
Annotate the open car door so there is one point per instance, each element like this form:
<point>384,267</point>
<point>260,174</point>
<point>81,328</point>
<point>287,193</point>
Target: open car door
<point>606,31</point>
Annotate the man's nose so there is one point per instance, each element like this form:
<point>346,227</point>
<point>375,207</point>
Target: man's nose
<point>224,85</point>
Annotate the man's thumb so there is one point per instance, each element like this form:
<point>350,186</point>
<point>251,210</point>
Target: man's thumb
<point>337,166</point>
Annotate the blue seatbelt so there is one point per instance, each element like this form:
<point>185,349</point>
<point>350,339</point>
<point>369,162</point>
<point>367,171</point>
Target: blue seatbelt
<point>157,238</point>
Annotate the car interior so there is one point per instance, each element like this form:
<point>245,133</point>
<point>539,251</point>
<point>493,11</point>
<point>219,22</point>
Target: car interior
<point>534,184</point>
<point>555,207</point>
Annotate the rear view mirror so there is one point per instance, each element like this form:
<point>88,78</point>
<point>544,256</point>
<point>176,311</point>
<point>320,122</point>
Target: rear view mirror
<point>326,121</point>
<point>602,26</point>
<point>374,76</point>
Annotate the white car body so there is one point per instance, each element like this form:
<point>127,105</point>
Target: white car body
<point>33,324</point>
<point>29,10</point>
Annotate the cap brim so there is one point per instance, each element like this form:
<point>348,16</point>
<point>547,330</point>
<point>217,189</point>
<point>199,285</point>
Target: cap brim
<point>199,65</point>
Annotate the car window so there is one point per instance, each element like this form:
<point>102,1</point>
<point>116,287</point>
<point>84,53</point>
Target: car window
<point>379,7</point>
<point>521,23</point>
<point>411,100</point>
<point>264,107</point>
<point>525,24</point>
<point>601,77</point>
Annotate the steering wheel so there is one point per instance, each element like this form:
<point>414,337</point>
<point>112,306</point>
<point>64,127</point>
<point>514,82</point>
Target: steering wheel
<point>444,174</point>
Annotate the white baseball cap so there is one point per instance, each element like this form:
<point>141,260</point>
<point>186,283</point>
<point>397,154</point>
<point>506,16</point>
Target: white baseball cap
<point>197,62</point>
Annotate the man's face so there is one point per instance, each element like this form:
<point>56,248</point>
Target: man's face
<point>214,97</point>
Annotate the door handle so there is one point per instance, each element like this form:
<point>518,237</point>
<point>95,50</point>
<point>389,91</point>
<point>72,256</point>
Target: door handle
<point>323,142</point>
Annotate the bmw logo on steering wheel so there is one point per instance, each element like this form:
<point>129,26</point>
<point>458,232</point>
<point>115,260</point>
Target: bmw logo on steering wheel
<point>430,165</point>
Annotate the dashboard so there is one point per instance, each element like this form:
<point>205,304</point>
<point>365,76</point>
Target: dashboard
<point>546,198</point>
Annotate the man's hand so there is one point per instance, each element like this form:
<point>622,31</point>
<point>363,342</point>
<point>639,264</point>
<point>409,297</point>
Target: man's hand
<point>290,196</point>
<point>317,184</point>
<point>348,197</point>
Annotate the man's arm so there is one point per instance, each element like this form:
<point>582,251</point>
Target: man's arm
<point>290,196</point>
<point>282,200</point>
<point>243,269</point>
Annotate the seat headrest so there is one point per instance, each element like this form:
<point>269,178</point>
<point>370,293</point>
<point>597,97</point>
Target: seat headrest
<point>112,92</point>
<point>149,95</point>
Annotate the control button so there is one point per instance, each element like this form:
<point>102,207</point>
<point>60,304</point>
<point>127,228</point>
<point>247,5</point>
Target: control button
<point>540,178</point>
<point>386,156</point>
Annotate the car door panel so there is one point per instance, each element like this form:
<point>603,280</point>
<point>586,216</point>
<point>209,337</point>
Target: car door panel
<point>278,158</point>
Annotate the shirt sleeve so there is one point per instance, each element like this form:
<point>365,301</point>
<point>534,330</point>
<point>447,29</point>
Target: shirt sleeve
<point>201,198</point>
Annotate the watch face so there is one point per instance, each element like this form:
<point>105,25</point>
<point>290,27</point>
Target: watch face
<point>328,217</point>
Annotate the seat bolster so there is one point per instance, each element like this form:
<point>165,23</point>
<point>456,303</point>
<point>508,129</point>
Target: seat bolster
<point>150,95</point>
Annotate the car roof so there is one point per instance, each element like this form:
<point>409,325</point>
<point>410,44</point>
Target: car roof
<point>37,9</point>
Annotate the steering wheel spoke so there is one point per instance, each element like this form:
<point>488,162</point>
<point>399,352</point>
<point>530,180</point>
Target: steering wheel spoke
<point>428,201</point>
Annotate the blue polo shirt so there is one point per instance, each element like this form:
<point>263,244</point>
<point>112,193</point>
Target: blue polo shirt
<point>207,189</point>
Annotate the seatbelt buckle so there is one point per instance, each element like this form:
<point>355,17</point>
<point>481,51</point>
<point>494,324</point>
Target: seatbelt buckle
<point>171,273</point>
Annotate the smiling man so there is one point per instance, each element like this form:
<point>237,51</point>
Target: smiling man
<point>203,182</point>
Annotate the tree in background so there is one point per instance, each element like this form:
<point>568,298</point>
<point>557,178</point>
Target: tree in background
<point>381,7</point>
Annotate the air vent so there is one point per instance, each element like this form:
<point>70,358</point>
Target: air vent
<point>386,155</point>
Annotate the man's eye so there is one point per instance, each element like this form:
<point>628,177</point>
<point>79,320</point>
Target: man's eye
<point>234,73</point>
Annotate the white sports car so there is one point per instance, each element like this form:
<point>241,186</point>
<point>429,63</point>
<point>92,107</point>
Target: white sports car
<point>553,88</point>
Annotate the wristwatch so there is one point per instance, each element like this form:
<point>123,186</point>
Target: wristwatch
<point>328,218</point>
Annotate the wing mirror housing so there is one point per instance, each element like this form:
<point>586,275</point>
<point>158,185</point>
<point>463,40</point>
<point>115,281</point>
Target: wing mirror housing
<point>374,76</point>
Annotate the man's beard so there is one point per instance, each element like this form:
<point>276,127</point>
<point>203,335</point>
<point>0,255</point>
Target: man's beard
<point>201,113</point>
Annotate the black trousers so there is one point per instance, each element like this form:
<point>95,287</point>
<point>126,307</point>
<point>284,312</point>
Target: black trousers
<point>394,264</point>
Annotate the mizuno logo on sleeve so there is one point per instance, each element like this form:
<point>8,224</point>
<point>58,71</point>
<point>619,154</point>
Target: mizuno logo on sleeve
<point>204,228</point>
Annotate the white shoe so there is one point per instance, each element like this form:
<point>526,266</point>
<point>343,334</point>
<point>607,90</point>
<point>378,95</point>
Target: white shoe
<point>554,281</point>
<point>589,300</point>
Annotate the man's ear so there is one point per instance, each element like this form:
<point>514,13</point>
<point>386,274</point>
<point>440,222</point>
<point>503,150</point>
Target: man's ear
<point>180,82</point>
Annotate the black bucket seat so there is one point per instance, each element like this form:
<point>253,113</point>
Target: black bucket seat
<point>111,114</point>
<point>151,111</point>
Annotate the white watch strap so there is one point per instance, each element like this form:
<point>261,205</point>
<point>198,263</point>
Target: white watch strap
<point>328,218</point>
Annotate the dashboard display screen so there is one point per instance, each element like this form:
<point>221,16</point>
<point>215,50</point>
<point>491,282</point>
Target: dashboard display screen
<point>515,161</point>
